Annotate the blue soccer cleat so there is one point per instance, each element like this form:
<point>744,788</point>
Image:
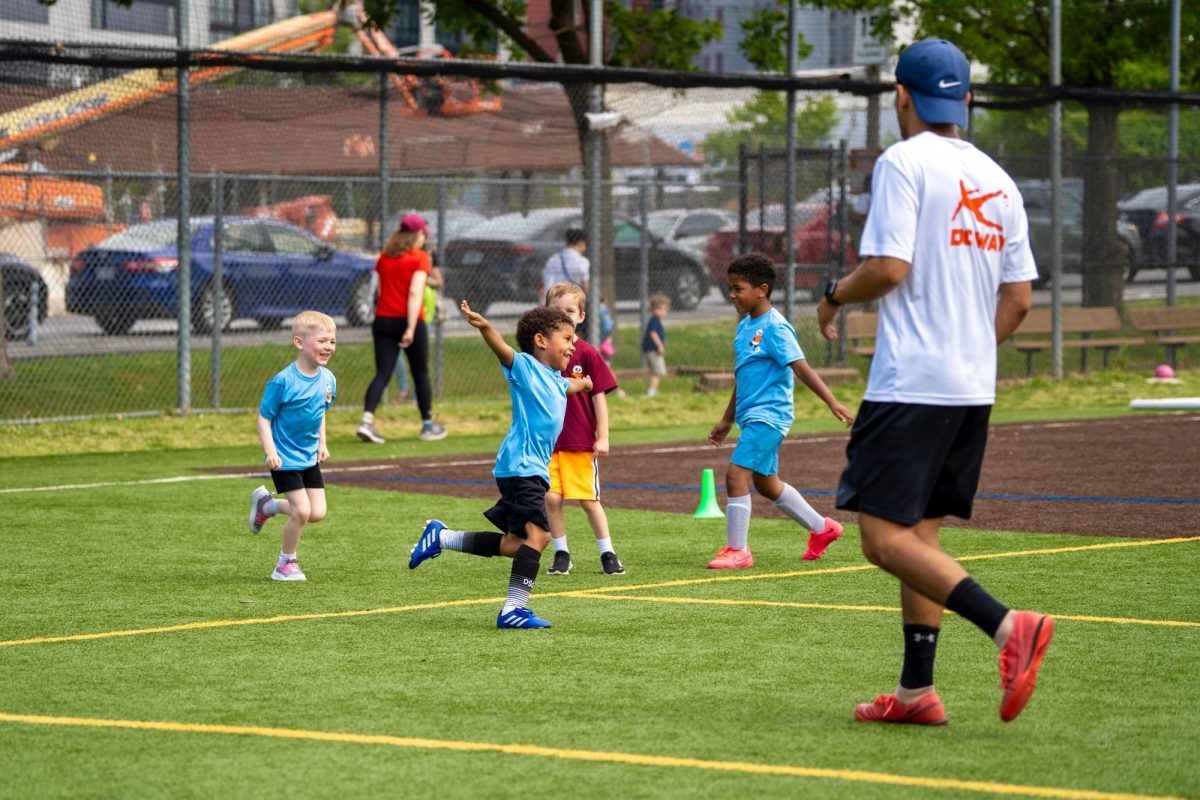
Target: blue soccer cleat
<point>429,545</point>
<point>521,618</point>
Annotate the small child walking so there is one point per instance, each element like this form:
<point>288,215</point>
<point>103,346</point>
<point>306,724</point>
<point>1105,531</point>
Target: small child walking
<point>574,467</point>
<point>539,392</point>
<point>654,342</point>
<point>767,361</point>
<point>291,427</point>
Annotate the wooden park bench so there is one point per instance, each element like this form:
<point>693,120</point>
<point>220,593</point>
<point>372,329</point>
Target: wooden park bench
<point>860,332</point>
<point>712,380</point>
<point>1166,323</point>
<point>1088,324</point>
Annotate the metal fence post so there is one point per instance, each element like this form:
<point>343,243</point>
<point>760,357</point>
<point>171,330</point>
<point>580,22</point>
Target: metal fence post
<point>439,363</point>
<point>789,167</point>
<point>183,223</point>
<point>743,197</point>
<point>34,303</point>
<point>218,294</point>
<point>643,263</point>
<point>383,158</point>
<point>843,235</point>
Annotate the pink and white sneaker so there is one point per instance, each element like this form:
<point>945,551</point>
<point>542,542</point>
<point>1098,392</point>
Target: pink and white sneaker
<point>288,571</point>
<point>258,517</point>
<point>732,558</point>
<point>819,541</point>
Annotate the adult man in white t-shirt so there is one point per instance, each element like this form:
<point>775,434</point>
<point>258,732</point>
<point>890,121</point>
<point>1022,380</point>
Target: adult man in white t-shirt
<point>568,265</point>
<point>946,254</point>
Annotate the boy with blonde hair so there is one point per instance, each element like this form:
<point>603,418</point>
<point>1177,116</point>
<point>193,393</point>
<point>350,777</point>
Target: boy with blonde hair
<point>291,427</point>
<point>654,342</point>
<point>539,392</point>
<point>574,469</point>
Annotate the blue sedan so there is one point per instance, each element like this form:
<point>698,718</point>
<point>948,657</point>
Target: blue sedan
<point>270,271</point>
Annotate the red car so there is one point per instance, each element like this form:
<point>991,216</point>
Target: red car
<point>816,250</point>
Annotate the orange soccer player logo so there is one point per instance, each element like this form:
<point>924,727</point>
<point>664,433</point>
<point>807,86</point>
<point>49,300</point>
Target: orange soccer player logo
<point>975,205</point>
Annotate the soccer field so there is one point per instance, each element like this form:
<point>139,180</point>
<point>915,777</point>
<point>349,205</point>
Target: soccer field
<point>145,653</point>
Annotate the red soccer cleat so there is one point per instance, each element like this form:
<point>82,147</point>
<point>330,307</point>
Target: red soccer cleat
<point>927,710</point>
<point>1020,659</point>
<point>819,541</point>
<point>729,558</point>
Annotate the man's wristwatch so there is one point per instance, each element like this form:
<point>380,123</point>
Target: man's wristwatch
<point>830,288</point>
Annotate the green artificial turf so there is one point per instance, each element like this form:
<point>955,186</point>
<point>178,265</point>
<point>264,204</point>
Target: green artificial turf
<point>764,684</point>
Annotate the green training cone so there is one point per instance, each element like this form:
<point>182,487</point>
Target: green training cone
<point>709,508</point>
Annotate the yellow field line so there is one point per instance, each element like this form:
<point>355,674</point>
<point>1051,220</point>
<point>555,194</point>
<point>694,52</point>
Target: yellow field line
<point>722,601</point>
<point>600,756</point>
<point>227,623</point>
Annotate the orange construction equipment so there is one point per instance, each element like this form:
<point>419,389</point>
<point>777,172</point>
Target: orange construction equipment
<point>314,213</point>
<point>435,95</point>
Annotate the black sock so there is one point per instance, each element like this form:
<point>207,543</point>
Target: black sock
<point>970,601</point>
<point>920,647</point>
<point>483,543</point>
<point>524,571</point>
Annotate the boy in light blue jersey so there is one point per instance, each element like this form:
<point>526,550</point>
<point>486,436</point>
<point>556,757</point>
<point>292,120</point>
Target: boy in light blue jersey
<point>539,392</point>
<point>768,359</point>
<point>291,427</point>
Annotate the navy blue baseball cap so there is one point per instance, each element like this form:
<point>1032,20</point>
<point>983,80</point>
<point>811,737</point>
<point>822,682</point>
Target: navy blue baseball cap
<point>938,77</point>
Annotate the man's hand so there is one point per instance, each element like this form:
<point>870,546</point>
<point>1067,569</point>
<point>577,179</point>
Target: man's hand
<point>827,319</point>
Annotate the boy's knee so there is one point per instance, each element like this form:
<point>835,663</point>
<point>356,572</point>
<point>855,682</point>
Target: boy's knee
<point>301,514</point>
<point>316,515</point>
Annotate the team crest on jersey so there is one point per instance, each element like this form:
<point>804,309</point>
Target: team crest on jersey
<point>577,372</point>
<point>756,342</point>
<point>328,393</point>
<point>972,202</point>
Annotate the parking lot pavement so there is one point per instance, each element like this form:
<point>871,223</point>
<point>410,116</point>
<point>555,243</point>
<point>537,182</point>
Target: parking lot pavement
<point>74,335</point>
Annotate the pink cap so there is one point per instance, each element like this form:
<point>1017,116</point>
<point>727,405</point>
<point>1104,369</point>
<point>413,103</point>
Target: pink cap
<point>414,222</point>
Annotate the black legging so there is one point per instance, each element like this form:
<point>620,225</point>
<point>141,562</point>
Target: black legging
<point>387,333</point>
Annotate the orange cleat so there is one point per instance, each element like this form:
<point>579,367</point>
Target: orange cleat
<point>729,558</point>
<point>819,541</point>
<point>927,710</point>
<point>1020,659</point>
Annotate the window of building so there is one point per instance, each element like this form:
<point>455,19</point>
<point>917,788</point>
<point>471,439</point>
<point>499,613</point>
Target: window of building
<point>24,11</point>
<point>230,17</point>
<point>145,16</point>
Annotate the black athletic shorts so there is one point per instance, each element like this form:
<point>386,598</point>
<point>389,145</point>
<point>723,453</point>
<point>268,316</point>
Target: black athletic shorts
<point>909,462</point>
<point>522,500</point>
<point>289,480</point>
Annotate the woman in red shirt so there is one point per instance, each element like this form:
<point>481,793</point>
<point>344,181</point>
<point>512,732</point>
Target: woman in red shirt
<point>399,324</point>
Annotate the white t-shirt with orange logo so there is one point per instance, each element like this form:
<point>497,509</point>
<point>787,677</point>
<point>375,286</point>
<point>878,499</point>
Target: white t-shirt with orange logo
<point>952,213</point>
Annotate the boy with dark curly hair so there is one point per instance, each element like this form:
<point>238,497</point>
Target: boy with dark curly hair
<point>539,392</point>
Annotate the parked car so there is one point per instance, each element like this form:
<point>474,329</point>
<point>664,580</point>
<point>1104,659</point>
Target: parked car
<point>1036,194</point>
<point>1147,210</point>
<point>20,278</point>
<point>270,271</point>
<point>816,244</point>
<point>689,227</point>
<point>458,222</point>
<point>502,260</point>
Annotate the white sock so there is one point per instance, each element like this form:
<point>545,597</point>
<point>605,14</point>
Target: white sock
<point>791,503</point>
<point>451,540</point>
<point>368,417</point>
<point>271,507</point>
<point>737,522</point>
<point>560,544</point>
<point>286,557</point>
<point>605,545</point>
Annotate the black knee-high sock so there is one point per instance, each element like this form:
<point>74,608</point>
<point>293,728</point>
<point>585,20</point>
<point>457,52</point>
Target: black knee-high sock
<point>920,647</point>
<point>481,543</point>
<point>969,600</point>
<point>520,582</point>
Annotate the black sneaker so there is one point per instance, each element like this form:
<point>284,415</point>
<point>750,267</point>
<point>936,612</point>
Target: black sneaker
<point>562,564</point>
<point>612,565</point>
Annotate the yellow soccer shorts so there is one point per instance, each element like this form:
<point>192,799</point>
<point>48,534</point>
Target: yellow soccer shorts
<point>574,475</point>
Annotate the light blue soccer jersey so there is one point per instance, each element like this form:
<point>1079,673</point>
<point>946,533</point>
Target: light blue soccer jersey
<point>763,349</point>
<point>539,403</point>
<point>296,404</point>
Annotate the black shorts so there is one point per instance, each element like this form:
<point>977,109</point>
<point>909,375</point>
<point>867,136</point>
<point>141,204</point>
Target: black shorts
<point>289,480</point>
<point>522,500</point>
<point>910,462</point>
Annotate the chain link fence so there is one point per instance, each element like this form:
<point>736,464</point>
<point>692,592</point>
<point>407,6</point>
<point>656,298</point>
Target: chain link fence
<point>296,178</point>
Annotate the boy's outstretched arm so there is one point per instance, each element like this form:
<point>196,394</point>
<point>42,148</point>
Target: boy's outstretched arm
<point>805,374</point>
<point>490,335</point>
<point>578,385</point>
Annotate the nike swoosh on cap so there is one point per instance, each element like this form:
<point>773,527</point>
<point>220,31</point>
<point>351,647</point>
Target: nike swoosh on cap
<point>945,84</point>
